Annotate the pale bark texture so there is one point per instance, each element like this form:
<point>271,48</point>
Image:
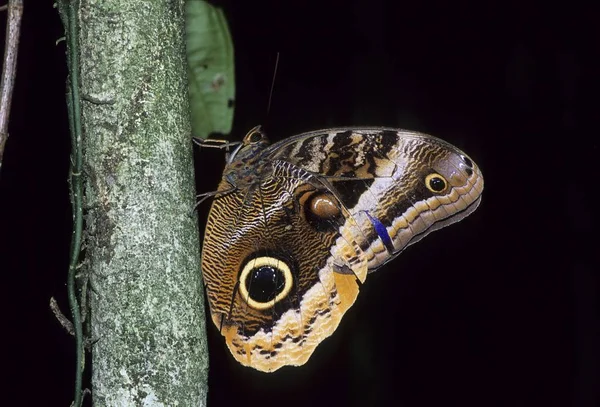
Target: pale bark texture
<point>142,245</point>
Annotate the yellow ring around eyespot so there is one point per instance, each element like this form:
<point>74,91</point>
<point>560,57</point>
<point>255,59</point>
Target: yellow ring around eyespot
<point>265,261</point>
<point>435,175</point>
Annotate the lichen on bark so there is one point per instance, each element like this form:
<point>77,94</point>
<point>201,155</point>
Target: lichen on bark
<point>142,245</point>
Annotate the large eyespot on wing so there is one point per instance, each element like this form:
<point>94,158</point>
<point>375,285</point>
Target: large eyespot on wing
<point>282,274</point>
<point>264,281</point>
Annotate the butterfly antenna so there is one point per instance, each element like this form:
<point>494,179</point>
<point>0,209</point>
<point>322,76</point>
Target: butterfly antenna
<point>273,84</point>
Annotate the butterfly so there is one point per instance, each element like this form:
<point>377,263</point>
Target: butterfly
<point>296,227</point>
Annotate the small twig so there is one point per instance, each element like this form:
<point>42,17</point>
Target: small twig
<point>9,67</point>
<point>64,321</point>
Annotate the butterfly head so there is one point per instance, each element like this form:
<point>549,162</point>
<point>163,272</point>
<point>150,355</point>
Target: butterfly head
<point>254,142</point>
<point>241,168</point>
<point>255,136</point>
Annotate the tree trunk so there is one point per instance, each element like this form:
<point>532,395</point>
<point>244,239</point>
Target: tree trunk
<point>142,245</point>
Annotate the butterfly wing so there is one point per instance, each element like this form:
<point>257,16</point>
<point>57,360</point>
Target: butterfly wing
<point>279,272</point>
<point>397,185</point>
<point>283,257</point>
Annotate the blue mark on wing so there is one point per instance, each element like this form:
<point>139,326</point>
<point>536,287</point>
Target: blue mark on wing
<point>382,233</point>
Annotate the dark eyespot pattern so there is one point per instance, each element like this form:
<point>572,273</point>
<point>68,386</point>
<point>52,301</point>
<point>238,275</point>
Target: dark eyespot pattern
<point>324,206</point>
<point>467,161</point>
<point>322,211</point>
<point>435,182</point>
<point>264,283</point>
<point>469,164</point>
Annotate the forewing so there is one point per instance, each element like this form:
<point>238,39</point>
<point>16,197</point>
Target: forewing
<point>383,177</point>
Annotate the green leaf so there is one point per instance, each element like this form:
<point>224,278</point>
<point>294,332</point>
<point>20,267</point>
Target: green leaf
<point>210,69</point>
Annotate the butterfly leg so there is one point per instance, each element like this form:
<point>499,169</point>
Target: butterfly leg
<point>204,196</point>
<point>217,143</point>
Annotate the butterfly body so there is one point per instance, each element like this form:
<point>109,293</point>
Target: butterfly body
<point>299,224</point>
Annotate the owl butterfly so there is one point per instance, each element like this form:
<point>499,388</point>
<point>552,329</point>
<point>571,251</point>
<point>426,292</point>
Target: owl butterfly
<point>296,227</point>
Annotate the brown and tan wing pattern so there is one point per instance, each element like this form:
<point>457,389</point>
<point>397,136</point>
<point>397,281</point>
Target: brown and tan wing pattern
<point>300,223</point>
<point>279,276</point>
<point>398,185</point>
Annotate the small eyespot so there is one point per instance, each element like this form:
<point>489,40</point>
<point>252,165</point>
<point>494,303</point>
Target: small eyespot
<point>467,161</point>
<point>324,206</point>
<point>322,211</point>
<point>435,183</point>
<point>264,281</point>
<point>469,171</point>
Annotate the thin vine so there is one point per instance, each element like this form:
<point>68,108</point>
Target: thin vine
<point>68,13</point>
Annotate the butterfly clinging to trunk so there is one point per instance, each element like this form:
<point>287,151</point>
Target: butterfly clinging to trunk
<point>297,226</point>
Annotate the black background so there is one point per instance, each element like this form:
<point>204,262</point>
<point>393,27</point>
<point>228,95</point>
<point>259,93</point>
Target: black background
<point>499,309</point>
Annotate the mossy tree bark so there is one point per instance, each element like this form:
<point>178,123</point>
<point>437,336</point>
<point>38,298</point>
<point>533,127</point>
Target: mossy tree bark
<point>142,245</point>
